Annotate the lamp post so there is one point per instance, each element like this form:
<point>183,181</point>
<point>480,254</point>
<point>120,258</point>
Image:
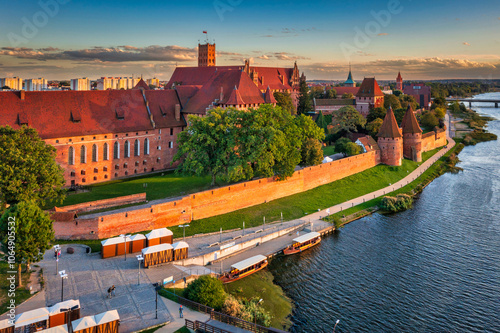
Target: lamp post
<point>184,226</point>
<point>139,259</point>
<point>255,314</point>
<point>243,228</point>
<point>338,320</point>
<point>57,252</point>
<point>63,277</point>
<point>157,288</point>
<point>125,236</point>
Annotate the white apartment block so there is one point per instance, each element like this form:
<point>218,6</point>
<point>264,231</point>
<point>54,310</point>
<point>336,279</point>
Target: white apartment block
<point>14,83</point>
<point>125,83</point>
<point>80,84</point>
<point>154,81</point>
<point>35,84</point>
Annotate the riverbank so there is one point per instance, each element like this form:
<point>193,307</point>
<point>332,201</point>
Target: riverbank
<point>470,126</point>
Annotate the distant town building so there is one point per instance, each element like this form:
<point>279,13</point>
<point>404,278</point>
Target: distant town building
<point>14,83</point>
<point>35,84</point>
<point>329,106</point>
<point>80,84</point>
<point>154,81</point>
<point>421,92</point>
<point>399,82</point>
<point>350,82</point>
<point>369,96</point>
<point>116,83</point>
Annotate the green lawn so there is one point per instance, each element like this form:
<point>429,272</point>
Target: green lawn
<point>260,285</point>
<point>20,294</point>
<point>328,150</point>
<point>159,187</point>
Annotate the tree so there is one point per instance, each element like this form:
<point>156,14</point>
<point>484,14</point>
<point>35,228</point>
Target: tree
<point>429,120</point>
<point>28,169</point>
<point>331,93</point>
<point>347,96</point>
<point>321,121</point>
<point>64,84</point>
<point>375,113</point>
<point>399,114</point>
<point>206,290</point>
<point>440,112</point>
<point>316,92</point>
<point>397,93</point>
<point>392,101</point>
<point>346,120</point>
<point>304,100</point>
<point>311,152</point>
<point>6,87</point>
<point>26,230</point>
<point>408,99</point>
<point>284,100</point>
<point>152,87</point>
<point>373,127</point>
<point>352,149</point>
<point>341,144</point>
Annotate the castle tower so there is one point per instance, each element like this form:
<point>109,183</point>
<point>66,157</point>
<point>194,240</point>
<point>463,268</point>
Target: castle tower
<point>399,82</point>
<point>350,82</point>
<point>206,55</point>
<point>390,141</point>
<point>412,136</point>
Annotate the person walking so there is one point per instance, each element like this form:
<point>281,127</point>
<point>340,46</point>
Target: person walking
<point>109,292</point>
<point>180,312</point>
<point>113,290</point>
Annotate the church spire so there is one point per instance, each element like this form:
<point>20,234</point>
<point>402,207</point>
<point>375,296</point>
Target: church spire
<point>350,82</point>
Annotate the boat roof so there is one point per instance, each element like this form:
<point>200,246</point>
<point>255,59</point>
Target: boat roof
<point>156,248</point>
<point>306,237</point>
<point>106,317</point>
<point>180,245</point>
<point>56,329</point>
<point>30,317</point>
<point>56,308</point>
<point>83,323</point>
<point>249,262</point>
<point>157,233</point>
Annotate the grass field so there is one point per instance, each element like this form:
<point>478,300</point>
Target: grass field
<point>328,150</point>
<point>20,294</point>
<point>260,285</point>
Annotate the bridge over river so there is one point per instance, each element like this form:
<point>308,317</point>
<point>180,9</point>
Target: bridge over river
<point>472,100</point>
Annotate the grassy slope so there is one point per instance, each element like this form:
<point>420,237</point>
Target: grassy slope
<point>260,285</point>
<point>328,150</point>
<point>21,294</point>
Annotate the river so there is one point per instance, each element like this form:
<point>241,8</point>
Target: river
<point>434,268</point>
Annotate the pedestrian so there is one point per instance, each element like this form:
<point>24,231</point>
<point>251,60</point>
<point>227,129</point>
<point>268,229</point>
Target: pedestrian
<point>180,312</point>
<point>113,290</point>
<point>109,292</point>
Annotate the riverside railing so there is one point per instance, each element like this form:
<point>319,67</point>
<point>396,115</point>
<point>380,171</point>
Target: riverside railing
<point>198,325</point>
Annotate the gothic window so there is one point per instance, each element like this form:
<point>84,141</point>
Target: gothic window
<point>71,156</point>
<point>105,152</point>
<point>126,153</point>
<point>137,148</point>
<point>83,154</point>
<point>146,146</point>
<point>116,150</point>
<point>94,153</point>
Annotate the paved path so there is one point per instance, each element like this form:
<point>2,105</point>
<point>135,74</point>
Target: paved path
<point>178,322</point>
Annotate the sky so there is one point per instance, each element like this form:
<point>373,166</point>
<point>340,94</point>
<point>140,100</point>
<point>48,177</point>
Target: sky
<point>426,39</point>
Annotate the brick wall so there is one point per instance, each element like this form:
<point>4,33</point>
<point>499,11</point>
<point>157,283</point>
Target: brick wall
<point>105,203</point>
<point>218,201</point>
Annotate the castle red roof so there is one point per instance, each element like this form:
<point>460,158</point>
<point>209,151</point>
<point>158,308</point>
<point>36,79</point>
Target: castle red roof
<point>410,123</point>
<point>346,90</point>
<point>162,106</point>
<point>389,128</point>
<point>369,88</point>
<point>269,96</point>
<point>141,85</point>
<point>399,78</point>
<point>59,114</point>
<point>235,98</point>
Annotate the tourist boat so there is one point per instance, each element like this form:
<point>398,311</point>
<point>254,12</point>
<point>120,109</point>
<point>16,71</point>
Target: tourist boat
<point>303,243</point>
<point>244,268</point>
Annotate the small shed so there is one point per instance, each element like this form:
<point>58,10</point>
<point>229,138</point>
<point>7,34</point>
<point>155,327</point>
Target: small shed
<point>157,254</point>
<point>107,322</point>
<point>138,243</point>
<point>180,250</point>
<point>34,320</point>
<point>6,326</point>
<point>64,312</point>
<point>84,325</point>
<point>57,329</point>
<point>160,236</point>
<point>113,247</point>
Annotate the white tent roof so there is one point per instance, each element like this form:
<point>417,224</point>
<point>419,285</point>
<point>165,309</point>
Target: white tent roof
<point>5,324</point>
<point>137,237</point>
<point>56,308</point>
<point>156,248</point>
<point>249,262</point>
<point>157,233</point>
<point>306,237</point>
<point>327,159</point>
<point>30,317</point>
<point>180,245</point>
<point>106,317</point>
<point>57,329</point>
<point>83,323</point>
<point>115,240</point>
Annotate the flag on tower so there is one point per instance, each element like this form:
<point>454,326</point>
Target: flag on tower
<point>205,32</point>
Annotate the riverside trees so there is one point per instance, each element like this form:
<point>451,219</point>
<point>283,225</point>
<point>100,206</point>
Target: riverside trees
<point>232,145</point>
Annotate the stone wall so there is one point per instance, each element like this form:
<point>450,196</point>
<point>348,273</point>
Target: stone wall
<point>101,204</point>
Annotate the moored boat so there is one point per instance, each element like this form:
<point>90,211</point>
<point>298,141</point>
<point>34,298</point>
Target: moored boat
<point>303,243</point>
<point>244,268</point>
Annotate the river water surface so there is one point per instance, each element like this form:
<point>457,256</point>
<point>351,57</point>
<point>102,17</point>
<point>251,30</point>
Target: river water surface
<point>435,268</point>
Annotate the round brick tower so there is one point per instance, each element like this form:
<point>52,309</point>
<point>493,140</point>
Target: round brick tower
<point>412,136</point>
<point>390,141</point>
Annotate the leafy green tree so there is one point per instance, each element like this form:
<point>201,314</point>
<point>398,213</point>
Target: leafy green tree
<point>440,112</point>
<point>397,93</point>
<point>375,113</point>
<point>331,93</point>
<point>346,120</point>
<point>429,120</point>
<point>347,96</point>
<point>399,114</point>
<point>341,145</point>
<point>27,231</point>
<point>64,84</point>
<point>316,92</point>
<point>6,87</point>
<point>321,121</point>
<point>206,290</point>
<point>305,105</point>
<point>408,99</point>
<point>392,101</point>
<point>284,101</point>
<point>352,149</point>
<point>439,102</point>
<point>152,87</point>
<point>373,127</point>
<point>28,169</point>
<point>312,153</point>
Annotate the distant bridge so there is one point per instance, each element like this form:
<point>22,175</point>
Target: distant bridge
<point>471,100</point>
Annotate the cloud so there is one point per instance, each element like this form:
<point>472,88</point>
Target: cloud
<point>268,36</point>
<point>288,56</point>
<point>49,49</point>
<point>383,34</point>
<point>364,54</point>
<point>466,44</point>
<point>264,57</point>
<point>223,53</point>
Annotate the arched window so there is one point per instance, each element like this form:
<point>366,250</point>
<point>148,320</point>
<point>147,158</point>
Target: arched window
<point>116,150</point>
<point>137,148</point>
<point>105,152</point>
<point>94,153</point>
<point>146,146</point>
<point>71,156</point>
<point>127,149</point>
<point>83,154</point>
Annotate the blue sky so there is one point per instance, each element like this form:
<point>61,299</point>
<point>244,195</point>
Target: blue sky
<point>424,39</point>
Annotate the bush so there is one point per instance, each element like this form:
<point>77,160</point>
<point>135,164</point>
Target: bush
<point>208,291</point>
<point>232,306</point>
<point>396,204</point>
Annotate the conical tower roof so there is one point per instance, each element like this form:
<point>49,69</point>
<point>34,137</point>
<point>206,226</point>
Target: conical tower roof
<point>349,78</point>
<point>141,85</point>
<point>389,128</point>
<point>269,97</point>
<point>235,98</point>
<point>399,78</point>
<point>410,123</point>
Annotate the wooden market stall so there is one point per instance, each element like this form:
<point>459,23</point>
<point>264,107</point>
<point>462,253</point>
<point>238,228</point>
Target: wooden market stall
<point>57,329</point>
<point>115,246</point>
<point>64,312</point>
<point>6,326</point>
<point>160,236</point>
<point>84,325</point>
<point>107,322</point>
<point>180,250</point>
<point>31,321</point>
<point>139,242</point>
<point>157,254</point>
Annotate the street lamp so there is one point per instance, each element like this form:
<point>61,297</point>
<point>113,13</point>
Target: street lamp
<point>57,252</point>
<point>157,288</point>
<point>338,320</point>
<point>139,259</point>
<point>63,277</point>
<point>125,244</point>
<point>255,314</point>
<point>184,226</point>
